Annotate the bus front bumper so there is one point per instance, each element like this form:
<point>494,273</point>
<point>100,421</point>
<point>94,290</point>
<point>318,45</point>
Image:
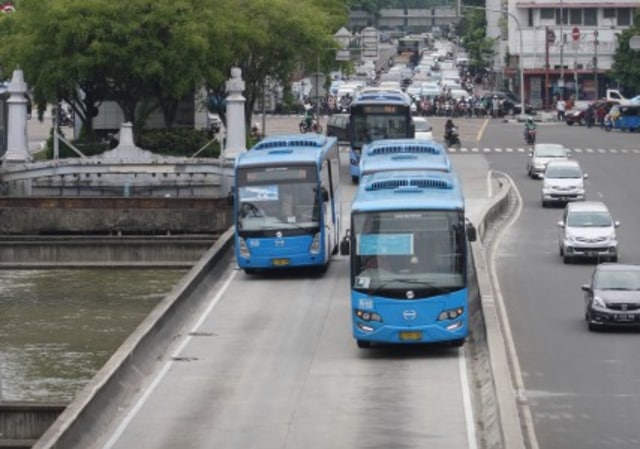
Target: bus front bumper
<point>433,333</point>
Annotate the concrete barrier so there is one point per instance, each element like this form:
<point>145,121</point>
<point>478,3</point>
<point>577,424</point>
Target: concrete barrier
<point>499,415</point>
<point>95,406</point>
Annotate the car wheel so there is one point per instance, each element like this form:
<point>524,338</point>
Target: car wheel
<point>566,259</point>
<point>613,259</point>
<point>569,123</point>
<point>561,251</point>
<point>593,327</point>
<point>363,344</point>
<point>544,203</point>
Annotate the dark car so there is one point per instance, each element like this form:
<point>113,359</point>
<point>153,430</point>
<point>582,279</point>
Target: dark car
<point>338,126</point>
<point>577,114</point>
<point>612,298</point>
<point>509,103</point>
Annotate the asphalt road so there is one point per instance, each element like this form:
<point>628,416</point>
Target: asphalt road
<point>582,388</point>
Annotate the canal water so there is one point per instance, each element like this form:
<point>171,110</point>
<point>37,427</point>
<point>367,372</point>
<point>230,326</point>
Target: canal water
<point>59,327</point>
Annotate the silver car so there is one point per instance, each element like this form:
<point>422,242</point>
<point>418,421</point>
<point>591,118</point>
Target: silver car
<point>562,181</point>
<point>543,153</point>
<point>588,231</point>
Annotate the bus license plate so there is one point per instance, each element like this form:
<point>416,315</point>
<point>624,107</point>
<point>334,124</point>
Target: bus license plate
<point>410,336</point>
<point>280,262</point>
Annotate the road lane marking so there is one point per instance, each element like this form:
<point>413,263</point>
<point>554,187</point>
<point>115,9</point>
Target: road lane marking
<point>152,386</point>
<point>481,130</point>
<point>466,400</point>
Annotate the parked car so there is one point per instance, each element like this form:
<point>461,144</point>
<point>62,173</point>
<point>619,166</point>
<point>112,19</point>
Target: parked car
<point>543,153</point>
<point>563,181</point>
<point>577,114</point>
<point>424,129</point>
<point>587,230</point>
<point>612,296</point>
<point>338,126</point>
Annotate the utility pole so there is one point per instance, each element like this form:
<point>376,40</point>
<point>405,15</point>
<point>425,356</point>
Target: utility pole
<point>561,80</point>
<point>595,62</point>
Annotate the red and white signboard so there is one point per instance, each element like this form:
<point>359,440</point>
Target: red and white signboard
<point>575,34</point>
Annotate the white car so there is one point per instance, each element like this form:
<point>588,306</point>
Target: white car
<point>543,153</point>
<point>423,128</point>
<point>587,230</point>
<point>563,181</point>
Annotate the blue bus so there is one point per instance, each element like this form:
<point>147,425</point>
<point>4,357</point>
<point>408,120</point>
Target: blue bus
<point>409,258</point>
<point>377,115</point>
<point>403,154</point>
<point>287,203</point>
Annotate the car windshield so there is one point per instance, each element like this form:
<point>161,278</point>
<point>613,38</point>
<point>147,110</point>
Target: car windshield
<point>550,151</point>
<point>617,280</point>
<point>584,219</point>
<point>563,172</point>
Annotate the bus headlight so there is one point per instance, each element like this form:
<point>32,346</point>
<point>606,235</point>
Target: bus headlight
<point>450,314</point>
<point>315,244</point>
<point>366,315</point>
<point>243,248</point>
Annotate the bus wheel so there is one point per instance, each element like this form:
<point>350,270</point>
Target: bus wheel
<point>457,343</point>
<point>354,179</point>
<point>363,344</point>
<point>250,271</point>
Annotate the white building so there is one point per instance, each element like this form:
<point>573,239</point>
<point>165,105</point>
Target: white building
<point>576,65</point>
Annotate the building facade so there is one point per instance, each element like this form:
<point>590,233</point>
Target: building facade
<point>567,46</point>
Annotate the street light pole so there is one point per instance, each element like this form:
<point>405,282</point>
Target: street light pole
<point>561,81</point>
<point>520,59</point>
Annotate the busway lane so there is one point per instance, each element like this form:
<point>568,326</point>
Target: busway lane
<point>273,365</point>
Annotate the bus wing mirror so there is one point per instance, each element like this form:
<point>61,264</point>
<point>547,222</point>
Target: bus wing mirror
<point>345,244</point>
<point>325,195</point>
<point>471,232</point>
<point>230,198</point>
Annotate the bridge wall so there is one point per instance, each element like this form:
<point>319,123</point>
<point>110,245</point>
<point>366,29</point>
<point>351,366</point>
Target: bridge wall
<point>113,216</point>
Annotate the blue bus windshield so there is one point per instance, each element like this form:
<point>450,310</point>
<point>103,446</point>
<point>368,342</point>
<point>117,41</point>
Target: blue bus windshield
<point>396,250</point>
<point>282,197</point>
<point>370,127</point>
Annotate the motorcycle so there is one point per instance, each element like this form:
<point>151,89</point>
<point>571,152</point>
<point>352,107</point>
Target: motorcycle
<point>530,136</point>
<point>452,139</point>
<point>315,126</point>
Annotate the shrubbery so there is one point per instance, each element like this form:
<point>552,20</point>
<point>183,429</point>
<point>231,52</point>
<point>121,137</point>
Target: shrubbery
<point>165,142</point>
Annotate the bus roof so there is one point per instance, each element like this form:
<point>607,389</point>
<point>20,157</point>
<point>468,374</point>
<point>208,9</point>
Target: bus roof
<point>287,148</point>
<point>408,190</point>
<point>404,154</point>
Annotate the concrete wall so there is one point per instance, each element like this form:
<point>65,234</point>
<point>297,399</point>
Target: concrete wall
<point>113,216</point>
<point>23,423</point>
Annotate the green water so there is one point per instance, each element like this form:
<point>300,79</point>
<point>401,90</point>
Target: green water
<point>59,327</point>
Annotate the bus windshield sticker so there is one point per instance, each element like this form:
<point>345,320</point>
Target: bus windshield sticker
<point>259,193</point>
<point>385,244</point>
<point>363,281</point>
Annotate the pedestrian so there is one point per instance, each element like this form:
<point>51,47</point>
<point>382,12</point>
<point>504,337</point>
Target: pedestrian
<point>589,116</point>
<point>561,107</point>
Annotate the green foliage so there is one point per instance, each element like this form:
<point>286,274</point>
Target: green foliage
<point>177,142</point>
<point>626,61</point>
<point>472,31</point>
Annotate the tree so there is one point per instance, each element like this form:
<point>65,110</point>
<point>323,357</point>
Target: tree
<point>269,41</point>
<point>626,61</point>
<point>472,31</point>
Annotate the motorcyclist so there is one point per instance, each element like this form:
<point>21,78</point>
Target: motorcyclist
<point>308,115</point>
<point>448,127</point>
<point>529,125</point>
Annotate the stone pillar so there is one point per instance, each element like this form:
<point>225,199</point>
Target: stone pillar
<point>236,139</point>
<point>17,143</point>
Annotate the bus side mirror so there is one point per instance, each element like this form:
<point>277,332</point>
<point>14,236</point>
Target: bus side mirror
<point>412,129</point>
<point>471,233</point>
<point>325,194</point>
<point>345,244</point>
<point>230,198</point>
